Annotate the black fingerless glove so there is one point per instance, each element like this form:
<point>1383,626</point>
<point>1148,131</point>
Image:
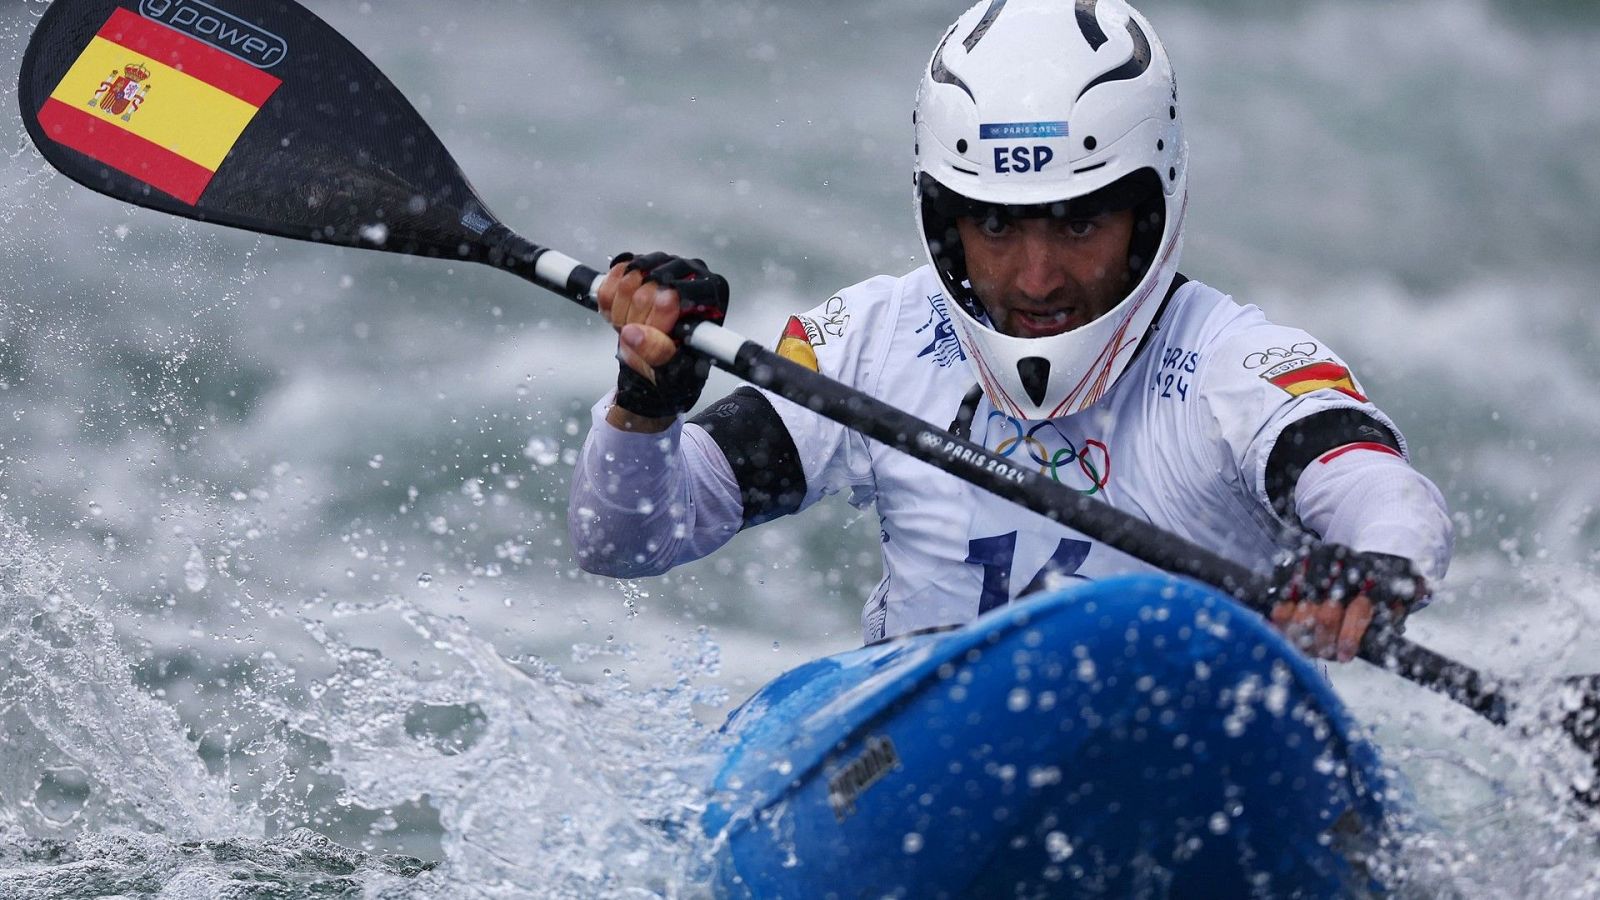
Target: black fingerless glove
<point>1335,572</point>
<point>702,297</point>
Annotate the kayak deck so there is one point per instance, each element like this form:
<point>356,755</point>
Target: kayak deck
<point>1134,736</point>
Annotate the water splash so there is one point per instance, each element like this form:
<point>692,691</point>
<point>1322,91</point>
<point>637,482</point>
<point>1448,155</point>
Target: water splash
<point>582,791</point>
<point>1497,800</point>
<point>537,783</point>
<point>86,748</point>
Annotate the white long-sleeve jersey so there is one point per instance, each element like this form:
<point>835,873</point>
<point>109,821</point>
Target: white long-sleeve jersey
<point>1227,429</point>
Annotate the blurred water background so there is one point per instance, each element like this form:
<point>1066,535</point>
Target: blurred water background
<point>285,603</point>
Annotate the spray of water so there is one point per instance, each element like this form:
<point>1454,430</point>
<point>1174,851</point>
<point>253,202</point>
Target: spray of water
<point>582,791</point>
<point>84,746</point>
<point>534,782</point>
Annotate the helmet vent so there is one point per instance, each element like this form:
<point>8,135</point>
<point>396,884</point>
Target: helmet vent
<point>1136,65</point>
<point>1089,24</point>
<point>940,72</point>
<point>1035,374</point>
<point>943,75</point>
<point>989,15</point>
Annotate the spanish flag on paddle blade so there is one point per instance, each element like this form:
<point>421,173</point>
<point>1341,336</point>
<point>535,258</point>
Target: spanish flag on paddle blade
<point>155,104</point>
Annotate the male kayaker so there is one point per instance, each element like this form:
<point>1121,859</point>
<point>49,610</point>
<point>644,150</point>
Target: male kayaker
<point>1053,327</point>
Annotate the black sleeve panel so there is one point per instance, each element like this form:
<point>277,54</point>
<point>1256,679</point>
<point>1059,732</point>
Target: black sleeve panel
<point>1306,439</point>
<point>760,450</point>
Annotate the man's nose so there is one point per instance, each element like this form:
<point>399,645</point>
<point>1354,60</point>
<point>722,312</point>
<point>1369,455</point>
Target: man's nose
<point>1043,264</point>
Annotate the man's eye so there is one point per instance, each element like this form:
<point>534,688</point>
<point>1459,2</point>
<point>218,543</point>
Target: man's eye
<point>994,226</point>
<point>1081,227</point>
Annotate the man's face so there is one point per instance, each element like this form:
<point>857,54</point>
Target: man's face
<point>1042,276</point>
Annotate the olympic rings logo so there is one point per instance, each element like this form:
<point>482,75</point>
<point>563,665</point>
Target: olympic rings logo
<point>1093,460</point>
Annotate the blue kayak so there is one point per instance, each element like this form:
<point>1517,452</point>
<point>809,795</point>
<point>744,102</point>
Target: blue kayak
<point>1138,736</point>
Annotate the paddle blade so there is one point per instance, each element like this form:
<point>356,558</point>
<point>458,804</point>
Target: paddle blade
<point>254,114</point>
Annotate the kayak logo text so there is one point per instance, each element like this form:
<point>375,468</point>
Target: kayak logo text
<point>225,31</point>
<point>850,782</point>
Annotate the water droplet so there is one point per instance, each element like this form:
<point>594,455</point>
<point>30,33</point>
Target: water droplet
<point>425,580</point>
<point>911,843</point>
<point>194,570</point>
<point>542,451</point>
<point>1218,823</point>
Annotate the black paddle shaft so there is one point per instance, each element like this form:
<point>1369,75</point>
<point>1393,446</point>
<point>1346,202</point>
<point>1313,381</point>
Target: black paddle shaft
<point>1092,518</point>
<point>327,149</point>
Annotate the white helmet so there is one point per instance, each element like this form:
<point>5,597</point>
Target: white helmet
<point>1064,107</point>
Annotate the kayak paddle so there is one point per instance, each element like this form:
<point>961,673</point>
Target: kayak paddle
<point>256,114</point>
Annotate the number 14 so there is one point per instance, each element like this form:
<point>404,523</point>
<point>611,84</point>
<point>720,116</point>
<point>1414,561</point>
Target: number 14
<point>994,554</point>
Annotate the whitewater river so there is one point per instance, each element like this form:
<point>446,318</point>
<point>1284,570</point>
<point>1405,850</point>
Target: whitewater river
<point>285,604</point>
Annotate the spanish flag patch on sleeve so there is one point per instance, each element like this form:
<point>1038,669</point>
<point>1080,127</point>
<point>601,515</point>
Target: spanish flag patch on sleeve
<point>155,104</point>
<point>1315,376</point>
<point>796,346</point>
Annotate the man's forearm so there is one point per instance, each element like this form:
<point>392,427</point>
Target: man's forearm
<point>1377,502</point>
<point>644,501</point>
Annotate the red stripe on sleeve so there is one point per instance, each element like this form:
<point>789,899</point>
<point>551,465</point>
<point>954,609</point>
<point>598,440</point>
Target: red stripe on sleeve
<point>158,43</point>
<point>125,151</point>
<point>1332,455</point>
<point>1321,371</point>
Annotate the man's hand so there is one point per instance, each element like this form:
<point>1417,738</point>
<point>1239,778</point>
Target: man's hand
<point>644,298</point>
<point>1329,595</point>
